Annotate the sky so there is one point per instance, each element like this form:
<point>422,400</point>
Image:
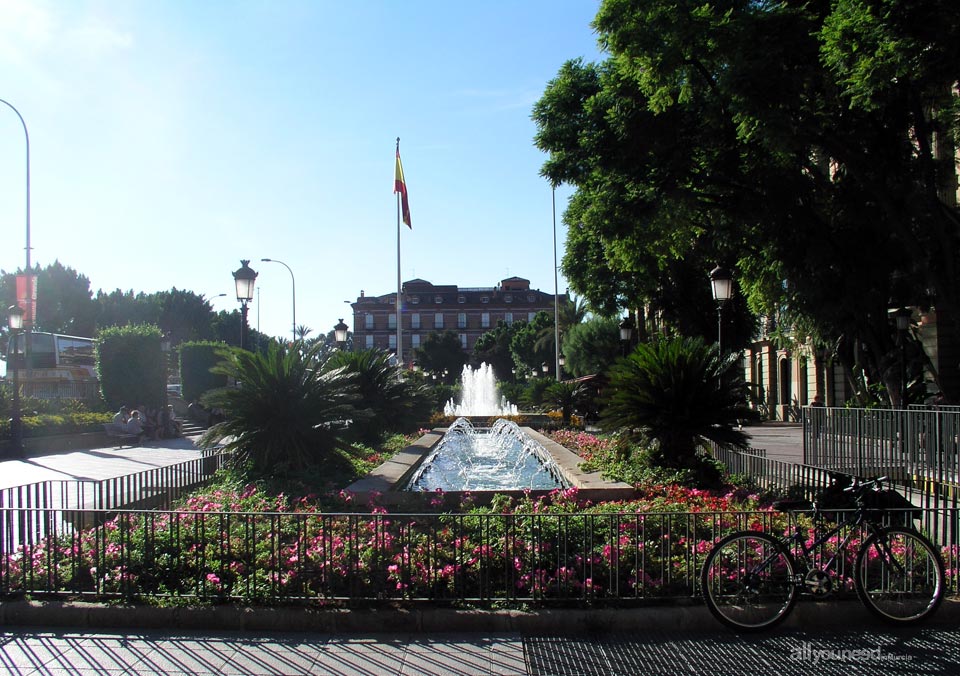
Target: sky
<point>171,139</point>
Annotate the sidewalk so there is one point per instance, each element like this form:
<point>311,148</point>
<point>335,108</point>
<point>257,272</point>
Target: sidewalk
<point>786,652</point>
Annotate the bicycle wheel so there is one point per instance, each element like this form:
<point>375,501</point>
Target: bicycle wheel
<point>899,575</point>
<point>748,581</point>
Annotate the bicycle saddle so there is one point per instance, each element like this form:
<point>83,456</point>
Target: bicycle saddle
<point>793,505</point>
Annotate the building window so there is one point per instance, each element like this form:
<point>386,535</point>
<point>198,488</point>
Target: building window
<point>392,342</point>
<point>461,299</point>
<point>463,341</point>
<point>392,321</point>
<point>531,298</point>
<point>415,320</point>
<point>485,320</point>
<point>415,340</point>
<point>414,300</point>
<point>368,322</point>
<point>484,299</point>
<point>462,320</point>
<point>438,299</point>
<point>438,320</point>
<point>508,318</point>
<point>508,298</point>
<point>368,341</point>
<point>530,316</point>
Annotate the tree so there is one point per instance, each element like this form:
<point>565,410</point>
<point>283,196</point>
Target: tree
<point>390,403</point>
<point>493,348</point>
<point>64,300</point>
<point>592,347</point>
<point>286,413</point>
<point>184,316</point>
<point>566,395</point>
<point>440,353</point>
<point>523,345</point>
<point>777,137</point>
<point>675,395</point>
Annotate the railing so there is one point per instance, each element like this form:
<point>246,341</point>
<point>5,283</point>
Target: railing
<point>918,448</point>
<point>79,502</point>
<point>316,558</point>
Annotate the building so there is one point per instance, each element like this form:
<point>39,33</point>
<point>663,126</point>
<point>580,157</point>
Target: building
<point>427,308</point>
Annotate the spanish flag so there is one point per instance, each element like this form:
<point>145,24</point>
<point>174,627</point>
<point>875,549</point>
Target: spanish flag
<point>400,186</point>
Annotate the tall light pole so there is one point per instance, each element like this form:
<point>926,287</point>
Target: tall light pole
<point>28,278</point>
<point>244,278</point>
<point>721,283</point>
<point>15,317</point>
<point>294,284</point>
<point>556,288</point>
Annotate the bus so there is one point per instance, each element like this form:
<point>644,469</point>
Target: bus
<point>61,367</point>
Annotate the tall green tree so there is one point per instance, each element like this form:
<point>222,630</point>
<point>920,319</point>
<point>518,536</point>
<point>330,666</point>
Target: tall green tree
<point>493,348</point>
<point>806,144</point>
<point>440,353</point>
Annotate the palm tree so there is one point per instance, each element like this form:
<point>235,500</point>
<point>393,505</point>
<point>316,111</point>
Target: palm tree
<point>678,394</point>
<point>567,396</point>
<point>391,403</point>
<point>570,313</point>
<point>286,412</point>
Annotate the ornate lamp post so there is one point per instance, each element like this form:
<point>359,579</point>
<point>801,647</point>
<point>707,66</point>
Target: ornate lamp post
<point>721,283</point>
<point>626,333</point>
<point>294,284</point>
<point>340,333</point>
<point>245,278</point>
<point>15,318</point>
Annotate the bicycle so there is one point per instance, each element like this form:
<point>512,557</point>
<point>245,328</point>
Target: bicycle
<point>751,580</point>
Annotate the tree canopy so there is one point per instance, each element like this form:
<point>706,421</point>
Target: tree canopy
<point>807,145</point>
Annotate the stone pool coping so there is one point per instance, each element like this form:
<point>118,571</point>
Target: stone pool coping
<point>384,484</point>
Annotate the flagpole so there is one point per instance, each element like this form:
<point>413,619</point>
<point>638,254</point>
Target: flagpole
<point>397,305</point>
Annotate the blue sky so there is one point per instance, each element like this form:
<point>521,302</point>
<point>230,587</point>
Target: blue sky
<point>171,139</point>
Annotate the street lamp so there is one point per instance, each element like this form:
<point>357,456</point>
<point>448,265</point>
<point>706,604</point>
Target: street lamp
<point>721,283</point>
<point>340,333</point>
<point>545,367</point>
<point>293,282</point>
<point>626,333</point>
<point>245,278</point>
<point>27,270</point>
<point>15,319</point>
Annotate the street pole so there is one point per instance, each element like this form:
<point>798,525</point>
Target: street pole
<point>293,283</point>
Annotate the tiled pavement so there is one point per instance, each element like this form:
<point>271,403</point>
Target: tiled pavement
<point>787,652</point>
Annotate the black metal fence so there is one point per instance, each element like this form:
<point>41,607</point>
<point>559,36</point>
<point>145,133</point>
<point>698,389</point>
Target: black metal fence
<point>29,507</point>
<point>317,558</point>
<point>917,448</point>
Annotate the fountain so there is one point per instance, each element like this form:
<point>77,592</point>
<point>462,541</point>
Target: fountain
<point>497,458</point>
<point>479,396</point>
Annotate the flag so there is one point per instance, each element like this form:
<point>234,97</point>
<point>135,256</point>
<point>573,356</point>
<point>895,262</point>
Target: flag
<point>400,186</point>
<point>27,302</point>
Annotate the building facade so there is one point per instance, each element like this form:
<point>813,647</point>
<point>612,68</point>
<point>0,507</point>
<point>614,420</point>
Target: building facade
<point>427,308</point>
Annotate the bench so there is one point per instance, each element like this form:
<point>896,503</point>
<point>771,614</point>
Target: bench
<point>120,433</point>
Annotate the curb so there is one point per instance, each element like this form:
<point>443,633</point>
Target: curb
<point>85,615</point>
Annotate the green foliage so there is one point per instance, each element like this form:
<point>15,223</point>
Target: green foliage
<point>286,412</point>
<point>527,353</point>
<point>776,138</point>
<point>591,347</point>
<point>440,353</point>
<point>197,358</point>
<point>391,403</point>
<point>567,396</point>
<point>493,348</point>
<point>675,395</point>
<point>130,366</point>
<point>67,423</point>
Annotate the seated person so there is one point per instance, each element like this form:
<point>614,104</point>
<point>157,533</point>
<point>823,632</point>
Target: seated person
<point>134,425</point>
<point>121,416</point>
